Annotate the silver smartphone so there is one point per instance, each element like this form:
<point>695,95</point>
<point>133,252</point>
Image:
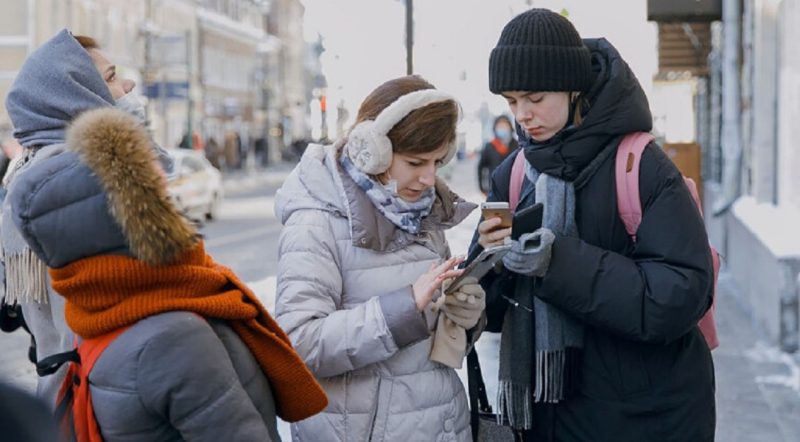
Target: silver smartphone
<point>481,265</point>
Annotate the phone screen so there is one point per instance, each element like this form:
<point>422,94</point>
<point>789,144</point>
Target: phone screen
<point>480,265</point>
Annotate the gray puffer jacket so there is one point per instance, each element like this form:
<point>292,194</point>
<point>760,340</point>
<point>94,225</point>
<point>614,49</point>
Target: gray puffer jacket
<point>175,377</point>
<point>344,298</point>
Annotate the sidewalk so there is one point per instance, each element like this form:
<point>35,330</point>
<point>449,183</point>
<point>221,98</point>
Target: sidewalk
<point>758,386</point>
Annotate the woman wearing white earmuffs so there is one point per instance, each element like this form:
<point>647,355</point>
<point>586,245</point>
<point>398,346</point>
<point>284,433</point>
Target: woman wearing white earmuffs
<point>361,256</point>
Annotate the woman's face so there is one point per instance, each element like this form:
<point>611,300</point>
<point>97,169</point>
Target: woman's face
<point>541,114</point>
<point>118,87</point>
<point>415,172</point>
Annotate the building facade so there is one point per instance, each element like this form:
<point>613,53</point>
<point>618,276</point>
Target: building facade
<point>212,67</point>
<point>752,179</point>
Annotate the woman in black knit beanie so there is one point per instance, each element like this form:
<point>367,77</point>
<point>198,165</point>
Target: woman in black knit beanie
<point>599,328</point>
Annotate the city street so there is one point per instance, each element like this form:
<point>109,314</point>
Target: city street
<point>758,387</point>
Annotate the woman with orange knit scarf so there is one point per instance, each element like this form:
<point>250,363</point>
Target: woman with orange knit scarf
<point>193,354</point>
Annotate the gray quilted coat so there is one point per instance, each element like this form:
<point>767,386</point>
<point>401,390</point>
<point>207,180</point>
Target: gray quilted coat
<point>176,376</point>
<point>344,298</point>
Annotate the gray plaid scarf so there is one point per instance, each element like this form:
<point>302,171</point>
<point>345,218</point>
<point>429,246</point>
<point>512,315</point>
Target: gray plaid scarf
<point>26,274</point>
<point>404,214</point>
<point>543,369</point>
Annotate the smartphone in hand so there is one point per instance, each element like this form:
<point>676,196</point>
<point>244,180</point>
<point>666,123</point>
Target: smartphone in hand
<point>497,209</point>
<point>527,220</point>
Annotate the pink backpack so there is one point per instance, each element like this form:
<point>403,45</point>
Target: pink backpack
<point>629,154</point>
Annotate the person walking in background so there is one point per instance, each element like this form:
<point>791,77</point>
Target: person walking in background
<point>495,151</point>
<point>66,76</point>
<point>599,334</point>
<point>213,152</point>
<point>193,355</point>
<point>231,150</point>
<point>363,252</point>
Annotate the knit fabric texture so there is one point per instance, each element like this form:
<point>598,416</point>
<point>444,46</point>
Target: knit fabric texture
<point>540,51</point>
<point>107,292</point>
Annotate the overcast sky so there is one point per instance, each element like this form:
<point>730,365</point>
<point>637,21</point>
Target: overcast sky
<point>365,41</point>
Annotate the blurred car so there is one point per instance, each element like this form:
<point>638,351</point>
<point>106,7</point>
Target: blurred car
<point>196,185</point>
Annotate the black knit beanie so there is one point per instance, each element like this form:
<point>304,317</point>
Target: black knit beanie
<point>540,51</point>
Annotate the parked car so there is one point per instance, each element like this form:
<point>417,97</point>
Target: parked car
<point>196,185</point>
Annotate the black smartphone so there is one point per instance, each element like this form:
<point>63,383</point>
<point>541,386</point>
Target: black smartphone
<point>527,220</point>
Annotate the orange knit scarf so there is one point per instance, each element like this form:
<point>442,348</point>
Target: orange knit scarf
<point>104,293</point>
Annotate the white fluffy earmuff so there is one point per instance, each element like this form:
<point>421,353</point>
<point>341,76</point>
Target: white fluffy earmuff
<point>368,144</point>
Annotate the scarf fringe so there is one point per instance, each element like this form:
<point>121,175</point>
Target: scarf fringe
<point>514,405</point>
<point>26,278</point>
<point>556,374</point>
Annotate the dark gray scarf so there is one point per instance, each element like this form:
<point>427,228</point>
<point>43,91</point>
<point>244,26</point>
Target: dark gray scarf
<point>543,369</point>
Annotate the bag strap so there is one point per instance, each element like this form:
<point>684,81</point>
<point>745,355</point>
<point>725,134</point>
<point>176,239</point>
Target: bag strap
<point>75,394</point>
<point>478,402</point>
<point>629,155</point>
<point>516,180</point>
<point>52,363</point>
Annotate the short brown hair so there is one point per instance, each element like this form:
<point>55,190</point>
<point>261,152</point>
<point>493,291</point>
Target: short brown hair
<point>423,130</point>
<point>87,42</point>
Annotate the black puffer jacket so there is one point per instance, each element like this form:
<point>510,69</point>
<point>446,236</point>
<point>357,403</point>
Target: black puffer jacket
<point>647,373</point>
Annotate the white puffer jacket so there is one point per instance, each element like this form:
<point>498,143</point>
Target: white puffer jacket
<point>344,298</point>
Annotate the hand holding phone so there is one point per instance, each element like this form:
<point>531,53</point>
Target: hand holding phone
<point>496,225</point>
<point>497,209</point>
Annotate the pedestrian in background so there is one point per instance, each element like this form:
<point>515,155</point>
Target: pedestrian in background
<point>495,151</point>
<point>608,347</point>
<point>191,352</point>
<point>66,76</point>
<point>362,254</point>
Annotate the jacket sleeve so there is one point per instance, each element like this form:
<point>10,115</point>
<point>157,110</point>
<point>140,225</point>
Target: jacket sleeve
<point>186,377</point>
<point>658,293</point>
<point>332,338</point>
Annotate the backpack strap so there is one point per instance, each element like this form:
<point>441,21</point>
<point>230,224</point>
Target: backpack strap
<point>517,178</point>
<point>75,393</point>
<point>629,155</point>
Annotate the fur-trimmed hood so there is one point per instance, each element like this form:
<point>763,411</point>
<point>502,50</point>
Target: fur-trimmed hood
<point>104,195</point>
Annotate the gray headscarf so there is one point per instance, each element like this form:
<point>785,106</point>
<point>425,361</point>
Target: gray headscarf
<point>57,82</point>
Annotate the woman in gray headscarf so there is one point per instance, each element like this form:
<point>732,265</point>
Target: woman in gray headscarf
<point>66,76</point>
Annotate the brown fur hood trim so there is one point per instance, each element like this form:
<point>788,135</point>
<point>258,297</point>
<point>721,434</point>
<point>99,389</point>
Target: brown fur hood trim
<point>120,153</point>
